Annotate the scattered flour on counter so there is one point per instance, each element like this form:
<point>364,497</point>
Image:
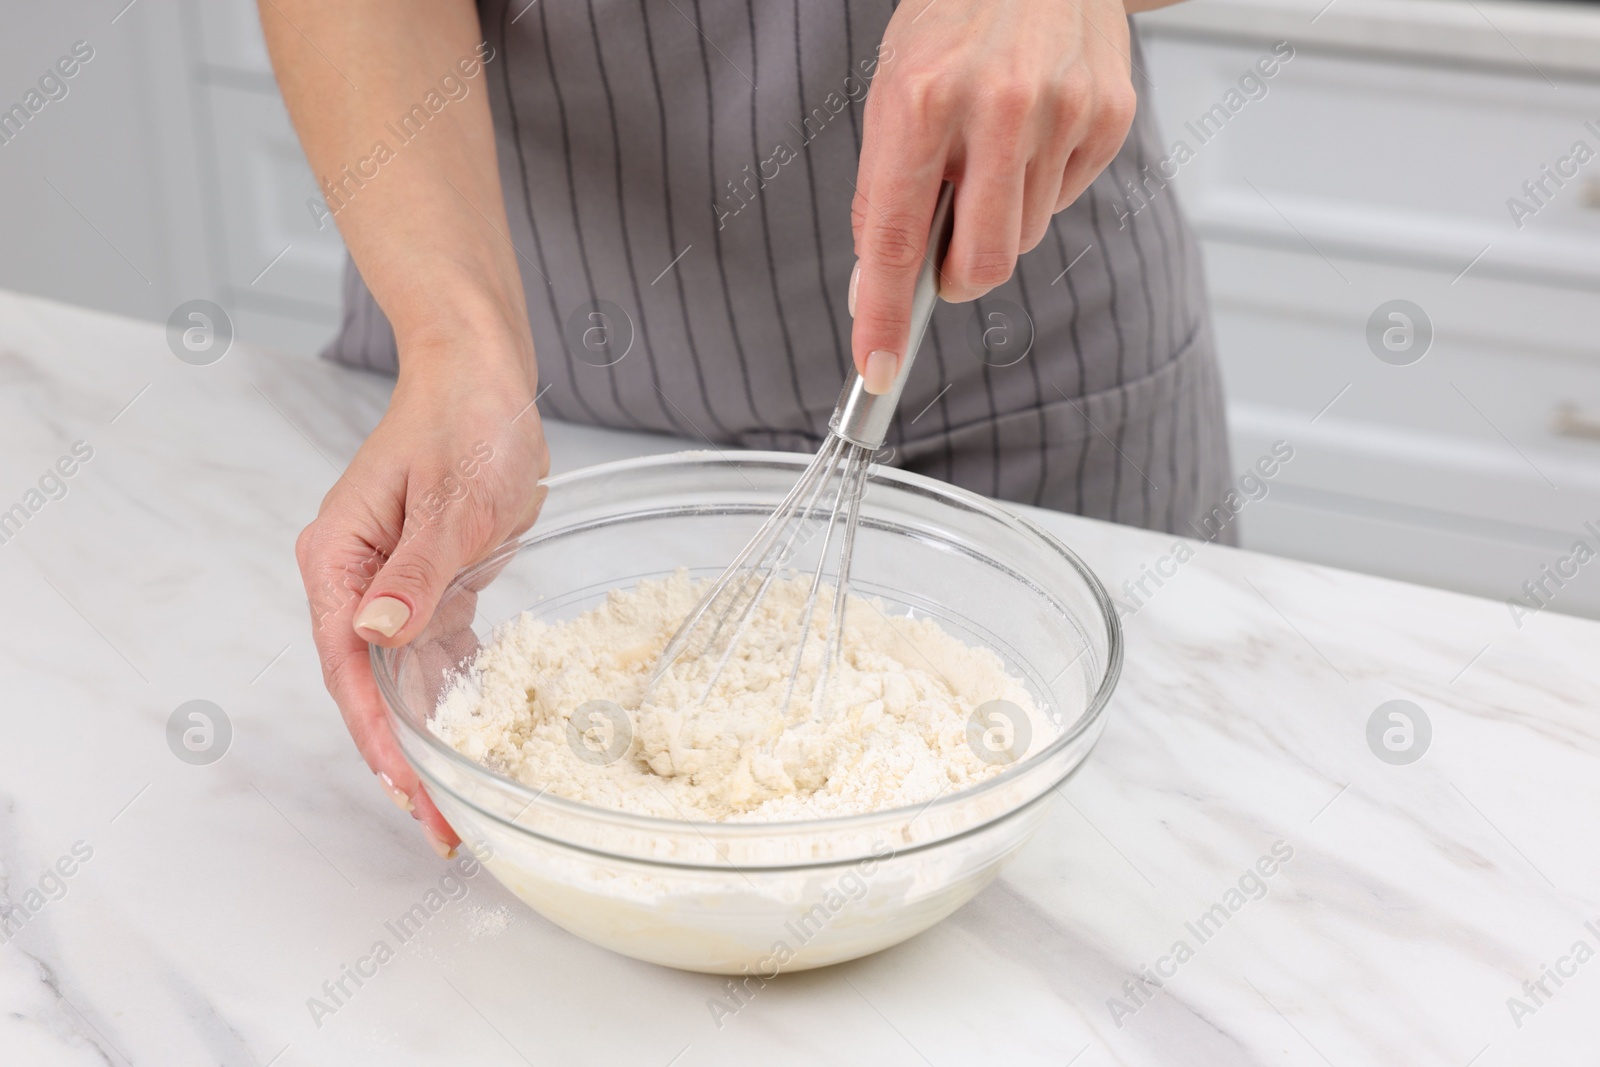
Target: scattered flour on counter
<point>487,922</point>
<point>894,732</point>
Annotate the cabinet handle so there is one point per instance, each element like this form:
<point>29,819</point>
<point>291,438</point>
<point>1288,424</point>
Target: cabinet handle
<point>1571,421</point>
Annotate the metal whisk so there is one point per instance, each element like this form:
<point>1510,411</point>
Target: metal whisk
<point>829,492</point>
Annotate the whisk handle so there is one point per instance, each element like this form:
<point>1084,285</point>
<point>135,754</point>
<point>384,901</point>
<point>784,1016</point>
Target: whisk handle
<point>862,418</point>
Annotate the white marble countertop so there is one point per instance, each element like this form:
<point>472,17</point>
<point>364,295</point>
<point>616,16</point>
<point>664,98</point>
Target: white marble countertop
<point>1542,38</point>
<point>205,904</point>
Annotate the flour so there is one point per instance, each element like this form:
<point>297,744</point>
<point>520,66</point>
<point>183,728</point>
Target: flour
<point>894,730</point>
<point>484,922</point>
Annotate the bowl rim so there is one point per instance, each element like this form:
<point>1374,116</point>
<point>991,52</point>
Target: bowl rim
<point>385,677</point>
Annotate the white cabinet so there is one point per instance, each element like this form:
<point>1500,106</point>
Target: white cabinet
<point>278,262</point>
<point>277,272</point>
<point>1361,179</point>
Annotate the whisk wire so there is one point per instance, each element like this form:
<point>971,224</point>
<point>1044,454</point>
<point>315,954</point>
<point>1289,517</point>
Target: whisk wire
<point>738,591</point>
<point>841,588</point>
<point>859,426</point>
<point>843,503</point>
<point>767,571</point>
<point>765,536</point>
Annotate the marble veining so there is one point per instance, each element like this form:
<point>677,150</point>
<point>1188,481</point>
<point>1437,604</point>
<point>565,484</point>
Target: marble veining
<point>1414,904</point>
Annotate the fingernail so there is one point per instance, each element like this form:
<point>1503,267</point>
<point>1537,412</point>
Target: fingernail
<point>385,616</point>
<point>396,794</point>
<point>855,276</point>
<point>880,371</point>
<point>445,851</point>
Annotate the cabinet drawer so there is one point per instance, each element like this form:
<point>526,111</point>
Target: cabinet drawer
<point>1388,160</point>
<point>1479,426</point>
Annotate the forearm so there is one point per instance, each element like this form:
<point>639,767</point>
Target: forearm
<point>1136,6</point>
<point>413,188</point>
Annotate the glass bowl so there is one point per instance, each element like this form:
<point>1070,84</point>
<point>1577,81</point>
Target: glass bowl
<point>758,898</point>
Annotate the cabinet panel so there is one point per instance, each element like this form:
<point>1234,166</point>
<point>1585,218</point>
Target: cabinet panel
<point>230,35</point>
<point>1475,426</point>
<point>278,260</point>
<point>1403,163</point>
<point>1350,183</point>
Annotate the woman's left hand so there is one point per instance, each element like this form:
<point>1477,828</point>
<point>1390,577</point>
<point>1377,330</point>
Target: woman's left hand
<point>1020,103</point>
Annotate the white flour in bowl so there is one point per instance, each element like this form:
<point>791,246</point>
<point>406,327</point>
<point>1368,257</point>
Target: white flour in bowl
<point>895,733</point>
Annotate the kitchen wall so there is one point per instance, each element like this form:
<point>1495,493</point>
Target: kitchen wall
<point>1369,175</point>
<point>167,172</point>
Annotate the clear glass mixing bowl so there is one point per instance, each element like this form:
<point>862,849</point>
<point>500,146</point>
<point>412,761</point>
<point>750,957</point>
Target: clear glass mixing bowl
<point>760,898</point>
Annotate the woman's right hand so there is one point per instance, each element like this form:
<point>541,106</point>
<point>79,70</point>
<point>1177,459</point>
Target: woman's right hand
<point>450,473</point>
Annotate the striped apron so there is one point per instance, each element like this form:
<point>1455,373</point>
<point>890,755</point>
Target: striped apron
<point>678,179</point>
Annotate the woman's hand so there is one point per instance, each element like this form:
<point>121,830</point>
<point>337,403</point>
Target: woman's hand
<point>450,473</point>
<point>1020,103</point>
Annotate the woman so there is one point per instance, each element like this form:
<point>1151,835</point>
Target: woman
<point>653,196</point>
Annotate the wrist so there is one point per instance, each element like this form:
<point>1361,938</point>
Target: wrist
<point>467,332</point>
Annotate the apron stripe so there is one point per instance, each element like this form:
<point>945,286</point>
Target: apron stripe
<point>1135,228</point>
<point>1174,417</point>
<point>850,61</point>
<point>988,392</point>
<point>577,224</point>
<point>943,402</point>
<point>671,222</point>
<point>1077,354</point>
<point>643,338</point>
<point>1168,299</point>
<point>1122,351</point>
<point>1188,329</point>
<point>1033,359</point>
<point>716,232</point>
<point>766,218</point>
<point>816,211</point>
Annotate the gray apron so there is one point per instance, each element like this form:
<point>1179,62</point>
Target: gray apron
<point>678,181</point>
